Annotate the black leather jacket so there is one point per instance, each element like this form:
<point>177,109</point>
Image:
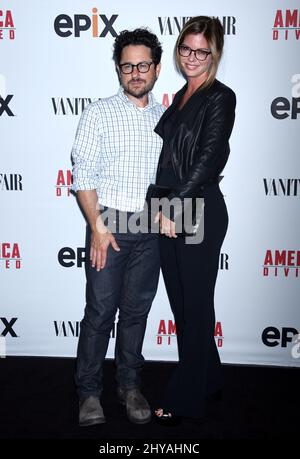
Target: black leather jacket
<point>200,143</point>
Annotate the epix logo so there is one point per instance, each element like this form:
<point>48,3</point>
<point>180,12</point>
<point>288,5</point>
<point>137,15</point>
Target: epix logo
<point>282,108</point>
<point>68,257</point>
<point>99,25</point>
<point>272,336</point>
<point>8,327</point>
<point>4,98</point>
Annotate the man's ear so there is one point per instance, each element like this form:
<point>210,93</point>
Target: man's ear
<point>158,69</point>
<point>118,73</point>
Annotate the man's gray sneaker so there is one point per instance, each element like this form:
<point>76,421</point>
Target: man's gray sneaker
<point>137,407</point>
<point>90,411</point>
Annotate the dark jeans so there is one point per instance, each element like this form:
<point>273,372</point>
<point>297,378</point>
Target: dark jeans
<point>190,272</point>
<point>128,283</point>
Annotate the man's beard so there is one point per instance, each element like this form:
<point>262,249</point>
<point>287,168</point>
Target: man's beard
<point>140,92</point>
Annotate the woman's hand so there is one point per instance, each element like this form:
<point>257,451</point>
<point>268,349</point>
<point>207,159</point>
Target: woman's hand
<point>166,226</point>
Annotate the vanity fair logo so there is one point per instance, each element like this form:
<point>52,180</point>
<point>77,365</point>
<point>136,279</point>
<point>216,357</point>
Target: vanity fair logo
<point>73,106</point>
<point>166,333</point>
<point>66,329</point>
<point>10,255</point>
<point>224,261</point>
<point>63,183</point>
<point>282,107</point>
<point>286,25</point>
<point>172,25</point>
<point>71,329</point>
<point>7,26</point>
<point>282,187</point>
<point>97,25</point>
<point>281,263</point>
<point>11,182</point>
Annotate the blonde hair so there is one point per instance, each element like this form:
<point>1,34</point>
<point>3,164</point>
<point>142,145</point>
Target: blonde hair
<point>213,32</point>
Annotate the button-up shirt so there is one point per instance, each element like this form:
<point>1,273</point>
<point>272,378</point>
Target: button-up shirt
<point>116,151</point>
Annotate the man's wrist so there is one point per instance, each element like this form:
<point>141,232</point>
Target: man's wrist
<point>99,226</point>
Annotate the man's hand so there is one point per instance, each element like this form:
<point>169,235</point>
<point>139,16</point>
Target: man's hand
<point>167,226</point>
<point>100,242</point>
<point>101,238</point>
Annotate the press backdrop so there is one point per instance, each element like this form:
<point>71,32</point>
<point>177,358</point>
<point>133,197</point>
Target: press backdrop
<point>55,58</point>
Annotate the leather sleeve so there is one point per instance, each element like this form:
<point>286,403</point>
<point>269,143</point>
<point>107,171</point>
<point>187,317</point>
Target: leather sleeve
<point>212,144</point>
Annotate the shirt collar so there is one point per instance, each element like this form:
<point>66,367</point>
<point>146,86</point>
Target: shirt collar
<point>151,99</point>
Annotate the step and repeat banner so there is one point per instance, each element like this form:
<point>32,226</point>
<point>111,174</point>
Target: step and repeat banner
<point>55,58</point>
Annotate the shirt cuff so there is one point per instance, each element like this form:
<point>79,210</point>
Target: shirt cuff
<point>84,185</point>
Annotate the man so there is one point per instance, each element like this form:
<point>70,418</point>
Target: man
<point>115,156</point>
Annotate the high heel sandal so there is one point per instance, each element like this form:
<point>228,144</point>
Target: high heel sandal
<point>167,418</point>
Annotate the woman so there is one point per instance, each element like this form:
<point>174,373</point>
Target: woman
<point>195,129</point>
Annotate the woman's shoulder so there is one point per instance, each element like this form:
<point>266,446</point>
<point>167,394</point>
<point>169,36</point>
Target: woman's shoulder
<point>220,90</point>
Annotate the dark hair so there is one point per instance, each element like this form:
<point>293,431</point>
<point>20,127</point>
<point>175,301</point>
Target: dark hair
<point>212,30</point>
<point>137,37</point>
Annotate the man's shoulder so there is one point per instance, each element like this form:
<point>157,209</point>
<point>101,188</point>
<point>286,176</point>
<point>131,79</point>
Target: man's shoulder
<point>99,107</point>
<point>103,103</point>
<point>160,107</point>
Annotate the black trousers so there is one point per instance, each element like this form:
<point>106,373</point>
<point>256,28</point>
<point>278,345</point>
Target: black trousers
<point>128,283</point>
<point>190,273</point>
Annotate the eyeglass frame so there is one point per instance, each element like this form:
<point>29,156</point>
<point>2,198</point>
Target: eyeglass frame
<point>135,65</point>
<point>194,51</point>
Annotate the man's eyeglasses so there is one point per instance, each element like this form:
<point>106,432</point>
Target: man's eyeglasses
<point>200,54</point>
<point>143,67</point>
